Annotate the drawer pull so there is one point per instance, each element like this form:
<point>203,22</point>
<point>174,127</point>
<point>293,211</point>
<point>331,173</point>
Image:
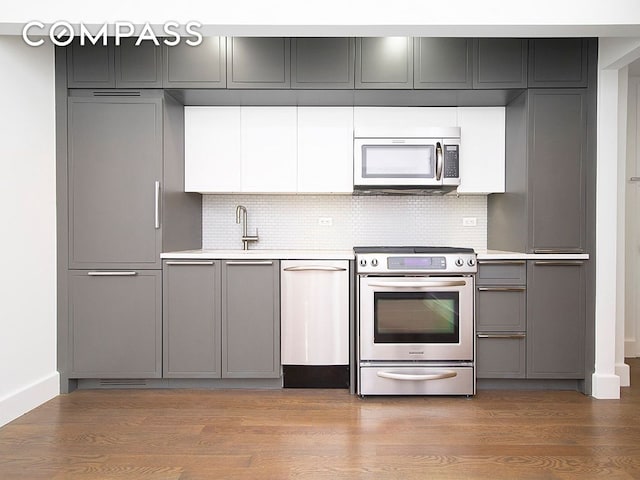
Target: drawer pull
<point>502,289</point>
<point>417,377</point>
<point>511,336</point>
<point>502,262</point>
<point>557,263</point>
<point>204,262</point>
<point>250,263</point>
<point>314,268</point>
<point>112,274</point>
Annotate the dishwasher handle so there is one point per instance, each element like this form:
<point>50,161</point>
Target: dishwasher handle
<point>314,268</point>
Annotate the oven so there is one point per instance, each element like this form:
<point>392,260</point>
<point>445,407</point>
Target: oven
<point>416,325</point>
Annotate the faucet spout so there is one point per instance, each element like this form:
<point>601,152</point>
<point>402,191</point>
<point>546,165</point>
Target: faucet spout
<point>241,216</point>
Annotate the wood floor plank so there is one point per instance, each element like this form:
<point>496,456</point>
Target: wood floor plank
<point>317,434</point>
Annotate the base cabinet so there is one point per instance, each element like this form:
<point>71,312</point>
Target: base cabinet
<point>221,319</point>
<point>115,324</point>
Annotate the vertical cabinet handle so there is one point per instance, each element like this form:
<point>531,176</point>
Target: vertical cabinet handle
<point>157,208</point>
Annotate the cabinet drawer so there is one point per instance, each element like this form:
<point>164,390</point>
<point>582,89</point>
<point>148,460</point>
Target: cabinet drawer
<point>501,355</point>
<point>500,309</point>
<point>502,272</point>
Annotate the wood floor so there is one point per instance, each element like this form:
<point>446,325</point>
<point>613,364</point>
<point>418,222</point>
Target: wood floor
<point>309,434</point>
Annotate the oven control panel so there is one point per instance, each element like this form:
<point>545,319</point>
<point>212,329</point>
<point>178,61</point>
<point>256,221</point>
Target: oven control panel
<point>372,263</point>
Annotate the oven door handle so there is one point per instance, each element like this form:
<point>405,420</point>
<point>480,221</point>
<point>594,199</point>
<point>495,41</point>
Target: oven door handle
<point>414,285</point>
<point>417,377</point>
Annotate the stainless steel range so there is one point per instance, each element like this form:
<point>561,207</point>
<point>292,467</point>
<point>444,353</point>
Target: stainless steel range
<point>415,320</point>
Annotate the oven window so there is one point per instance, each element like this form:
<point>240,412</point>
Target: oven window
<point>416,317</point>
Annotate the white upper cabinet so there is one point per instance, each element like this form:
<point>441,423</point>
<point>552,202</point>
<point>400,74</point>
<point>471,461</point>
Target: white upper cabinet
<point>325,149</point>
<point>482,150</point>
<point>390,122</point>
<point>212,149</point>
<point>269,149</point>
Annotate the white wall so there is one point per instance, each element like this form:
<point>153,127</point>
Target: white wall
<point>28,375</point>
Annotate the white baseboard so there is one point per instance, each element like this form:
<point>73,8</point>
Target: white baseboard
<point>605,386</point>
<point>20,402</point>
<point>624,372</point>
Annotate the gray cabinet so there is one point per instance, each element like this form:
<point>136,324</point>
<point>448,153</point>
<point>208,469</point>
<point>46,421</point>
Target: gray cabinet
<point>115,174</point>
<point>250,319</point>
<point>124,66</point>
<point>558,62</point>
<point>322,62</point>
<point>384,62</point>
<point>500,63</point>
<point>258,62</point>
<point>556,319</point>
<point>443,63</point>
<point>191,319</point>
<point>501,322</point>
<point>544,207</point>
<point>115,324</point>
<point>201,66</point>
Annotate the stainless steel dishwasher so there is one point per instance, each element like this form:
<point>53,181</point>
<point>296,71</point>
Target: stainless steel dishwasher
<point>315,323</point>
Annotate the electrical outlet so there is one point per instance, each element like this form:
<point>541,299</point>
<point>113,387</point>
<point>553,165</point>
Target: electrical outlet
<point>325,221</point>
<point>469,221</point>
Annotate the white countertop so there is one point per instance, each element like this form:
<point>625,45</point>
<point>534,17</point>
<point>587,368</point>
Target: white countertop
<point>260,254</point>
<point>502,255</point>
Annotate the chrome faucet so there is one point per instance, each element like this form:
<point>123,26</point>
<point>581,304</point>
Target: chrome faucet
<point>245,238</point>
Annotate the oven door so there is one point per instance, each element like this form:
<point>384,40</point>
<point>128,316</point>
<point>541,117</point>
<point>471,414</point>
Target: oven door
<point>416,318</point>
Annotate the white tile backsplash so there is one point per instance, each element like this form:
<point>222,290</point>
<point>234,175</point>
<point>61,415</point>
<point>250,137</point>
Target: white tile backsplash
<point>291,221</point>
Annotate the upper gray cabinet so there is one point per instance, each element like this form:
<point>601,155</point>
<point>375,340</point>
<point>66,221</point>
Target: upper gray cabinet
<point>202,66</point>
<point>558,62</point>
<point>384,62</point>
<point>500,63</point>
<point>90,66</point>
<point>125,66</point>
<point>322,62</point>
<point>258,62</point>
<point>443,63</point>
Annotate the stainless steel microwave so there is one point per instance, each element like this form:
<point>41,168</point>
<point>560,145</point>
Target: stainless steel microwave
<point>429,163</point>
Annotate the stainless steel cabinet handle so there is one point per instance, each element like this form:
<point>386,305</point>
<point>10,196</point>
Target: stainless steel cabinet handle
<point>112,274</point>
<point>439,161</point>
<point>199,262</point>
<point>514,336</point>
<point>502,289</point>
<point>250,263</point>
<point>312,268</point>
<point>559,263</point>
<point>557,250</point>
<point>458,283</point>
<point>417,377</point>
<point>634,179</point>
<point>157,207</point>
<point>501,262</point>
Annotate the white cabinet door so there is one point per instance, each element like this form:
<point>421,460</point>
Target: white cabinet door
<point>325,149</point>
<point>269,149</point>
<point>482,149</point>
<point>212,149</point>
<point>401,121</point>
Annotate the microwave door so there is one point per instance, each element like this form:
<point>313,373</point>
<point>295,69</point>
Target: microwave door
<point>396,162</point>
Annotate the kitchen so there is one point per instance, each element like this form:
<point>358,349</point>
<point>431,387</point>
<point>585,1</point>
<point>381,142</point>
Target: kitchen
<point>332,213</point>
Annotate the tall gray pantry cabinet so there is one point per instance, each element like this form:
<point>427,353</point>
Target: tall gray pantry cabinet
<point>125,205</point>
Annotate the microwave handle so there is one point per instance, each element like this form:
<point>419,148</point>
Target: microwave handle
<point>439,161</point>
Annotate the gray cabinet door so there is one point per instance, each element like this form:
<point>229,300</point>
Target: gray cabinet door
<point>443,63</point>
<point>258,62</point>
<point>191,319</point>
<point>558,62</point>
<point>250,319</point>
<point>90,66</point>
<point>326,62</point>
<point>500,63</point>
<point>115,169</point>
<point>115,324</point>
<point>555,319</point>
<point>138,66</point>
<point>556,170</point>
<point>384,62</point>
<point>202,66</point>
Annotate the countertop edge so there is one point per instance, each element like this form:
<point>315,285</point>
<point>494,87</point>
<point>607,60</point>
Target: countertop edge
<point>504,255</point>
<point>259,255</point>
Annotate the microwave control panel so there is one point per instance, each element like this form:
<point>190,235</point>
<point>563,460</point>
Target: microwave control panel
<point>451,161</point>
